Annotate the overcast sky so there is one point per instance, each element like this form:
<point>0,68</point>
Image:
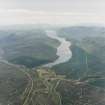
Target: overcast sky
<point>72,12</point>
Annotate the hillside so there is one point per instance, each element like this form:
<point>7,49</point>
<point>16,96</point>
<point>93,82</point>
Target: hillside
<point>13,81</point>
<point>28,47</point>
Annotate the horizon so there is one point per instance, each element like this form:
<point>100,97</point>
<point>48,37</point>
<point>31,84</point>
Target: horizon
<point>56,12</point>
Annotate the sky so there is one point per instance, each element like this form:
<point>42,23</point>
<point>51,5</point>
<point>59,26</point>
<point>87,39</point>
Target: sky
<point>69,12</point>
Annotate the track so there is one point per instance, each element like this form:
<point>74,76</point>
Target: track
<point>26,99</point>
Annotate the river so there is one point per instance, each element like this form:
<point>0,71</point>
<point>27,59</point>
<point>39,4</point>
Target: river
<point>63,51</point>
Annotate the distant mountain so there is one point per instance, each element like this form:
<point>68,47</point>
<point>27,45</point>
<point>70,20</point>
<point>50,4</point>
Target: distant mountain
<point>81,32</point>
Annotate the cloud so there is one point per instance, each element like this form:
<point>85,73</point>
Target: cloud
<point>25,16</point>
